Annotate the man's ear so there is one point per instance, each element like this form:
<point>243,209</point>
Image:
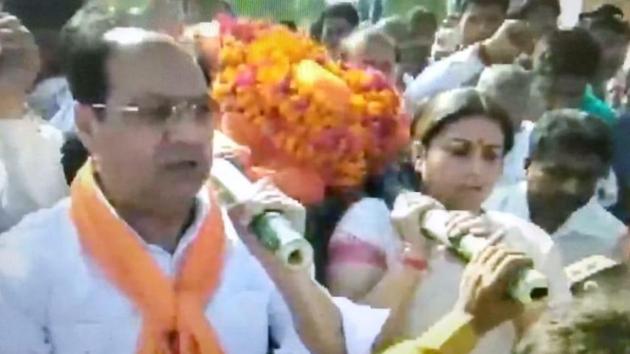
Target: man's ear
<point>418,156</point>
<point>85,119</point>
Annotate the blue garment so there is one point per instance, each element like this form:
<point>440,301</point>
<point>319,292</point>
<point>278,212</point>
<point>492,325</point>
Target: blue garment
<point>621,162</point>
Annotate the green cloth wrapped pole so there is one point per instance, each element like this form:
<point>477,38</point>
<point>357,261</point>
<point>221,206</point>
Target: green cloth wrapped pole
<point>272,229</point>
<point>530,285</point>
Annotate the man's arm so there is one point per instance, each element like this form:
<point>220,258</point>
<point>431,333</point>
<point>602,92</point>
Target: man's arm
<point>303,303</point>
<point>510,40</point>
<point>449,73</point>
<point>325,325</point>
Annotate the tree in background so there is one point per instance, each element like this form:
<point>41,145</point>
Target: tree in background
<point>402,7</point>
<point>300,11</point>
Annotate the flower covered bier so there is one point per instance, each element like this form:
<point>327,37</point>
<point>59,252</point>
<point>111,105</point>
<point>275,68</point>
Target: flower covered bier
<point>310,122</point>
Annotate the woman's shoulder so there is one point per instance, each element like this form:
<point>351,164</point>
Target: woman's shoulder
<point>372,210</point>
<point>366,219</point>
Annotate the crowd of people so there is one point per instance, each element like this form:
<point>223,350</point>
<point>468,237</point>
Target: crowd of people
<point>113,240</point>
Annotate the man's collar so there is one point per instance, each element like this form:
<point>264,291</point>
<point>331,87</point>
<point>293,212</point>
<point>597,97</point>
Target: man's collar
<point>202,205</point>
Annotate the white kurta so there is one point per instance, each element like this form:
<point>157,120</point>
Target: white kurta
<point>368,220</point>
<point>457,70</point>
<point>54,299</point>
<point>31,173</point>
<point>514,162</point>
<point>590,230</point>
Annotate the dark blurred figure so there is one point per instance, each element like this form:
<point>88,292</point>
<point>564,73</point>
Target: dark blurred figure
<point>337,22</point>
<point>45,18</point>
<point>621,166</point>
<point>561,80</point>
<point>416,49</point>
<point>480,19</point>
<point>606,24</point>
<point>542,15</point>
<point>289,24</point>
<point>315,31</point>
<point>73,156</point>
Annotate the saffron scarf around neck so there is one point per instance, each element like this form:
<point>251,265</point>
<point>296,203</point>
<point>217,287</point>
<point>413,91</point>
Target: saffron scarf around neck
<point>172,310</point>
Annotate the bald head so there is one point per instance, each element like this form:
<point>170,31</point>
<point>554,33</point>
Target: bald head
<point>103,53</point>
<point>372,48</point>
<point>148,63</point>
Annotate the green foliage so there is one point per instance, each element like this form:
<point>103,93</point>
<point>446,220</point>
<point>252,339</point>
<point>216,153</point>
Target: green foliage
<point>402,7</point>
<point>296,10</point>
<point>301,10</point>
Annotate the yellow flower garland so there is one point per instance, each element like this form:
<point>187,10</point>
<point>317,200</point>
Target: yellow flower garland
<point>303,108</point>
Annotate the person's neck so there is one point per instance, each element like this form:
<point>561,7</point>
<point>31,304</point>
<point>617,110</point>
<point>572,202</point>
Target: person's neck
<point>549,224</point>
<point>12,105</point>
<point>164,228</point>
<point>548,220</point>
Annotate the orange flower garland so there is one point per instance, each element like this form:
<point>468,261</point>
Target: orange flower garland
<point>322,122</point>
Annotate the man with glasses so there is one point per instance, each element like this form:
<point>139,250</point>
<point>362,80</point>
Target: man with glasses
<point>141,258</point>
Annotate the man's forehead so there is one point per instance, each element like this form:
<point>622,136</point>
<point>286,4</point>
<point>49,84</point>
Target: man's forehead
<point>336,21</point>
<point>144,62</point>
<point>576,160</point>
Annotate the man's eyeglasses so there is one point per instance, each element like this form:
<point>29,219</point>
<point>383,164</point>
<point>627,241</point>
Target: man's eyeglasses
<point>162,113</point>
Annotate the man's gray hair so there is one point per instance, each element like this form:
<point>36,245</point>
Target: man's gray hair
<point>498,81</point>
<point>509,87</point>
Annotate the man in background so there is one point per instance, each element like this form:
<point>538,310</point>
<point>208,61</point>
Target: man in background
<point>569,152</point>
<point>31,175</point>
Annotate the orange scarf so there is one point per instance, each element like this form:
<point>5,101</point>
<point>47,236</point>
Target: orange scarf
<point>173,319</point>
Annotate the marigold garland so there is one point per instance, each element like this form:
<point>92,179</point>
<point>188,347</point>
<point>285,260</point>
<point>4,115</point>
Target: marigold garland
<point>302,113</point>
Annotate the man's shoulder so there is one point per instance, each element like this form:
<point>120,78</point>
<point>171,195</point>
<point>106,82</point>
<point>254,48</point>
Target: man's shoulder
<point>31,127</point>
<point>595,220</point>
<point>34,257</point>
<point>39,235</point>
<point>531,233</point>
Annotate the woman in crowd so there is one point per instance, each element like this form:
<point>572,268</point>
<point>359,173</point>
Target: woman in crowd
<point>459,141</point>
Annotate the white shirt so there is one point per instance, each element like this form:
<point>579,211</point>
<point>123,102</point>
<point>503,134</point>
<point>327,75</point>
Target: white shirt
<point>31,173</point>
<point>457,70</point>
<point>514,162</point>
<point>48,96</point>
<point>514,170</point>
<point>368,220</point>
<point>63,119</point>
<point>54,299</point>
<point>590,230</point>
